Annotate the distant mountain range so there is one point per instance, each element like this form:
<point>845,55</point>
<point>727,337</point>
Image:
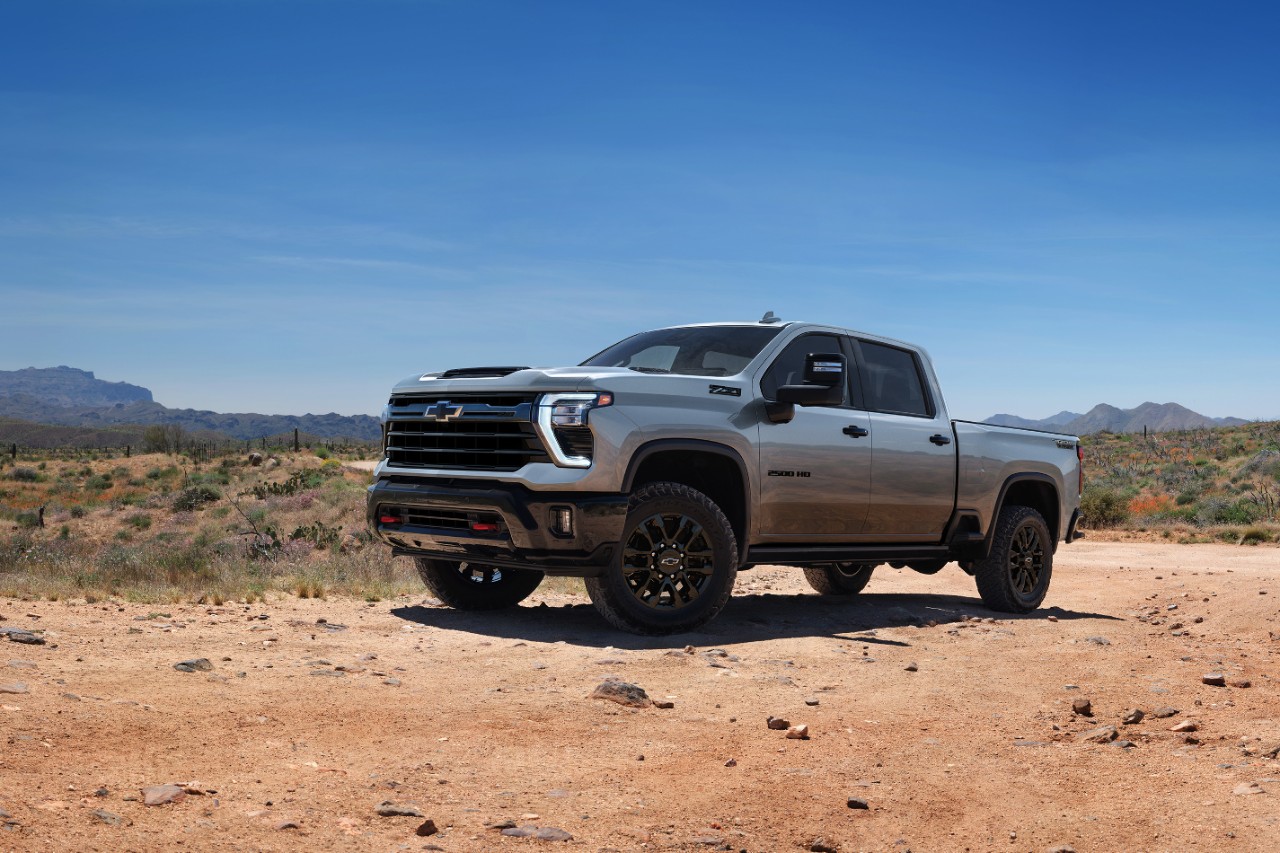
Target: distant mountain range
<point>1155,417</point>
<point>69,397</point>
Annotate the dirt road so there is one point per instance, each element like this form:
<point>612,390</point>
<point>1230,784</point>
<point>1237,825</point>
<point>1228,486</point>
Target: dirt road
<point>953,725</point>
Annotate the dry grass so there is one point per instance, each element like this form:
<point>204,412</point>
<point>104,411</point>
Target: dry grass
<point>158,528</point>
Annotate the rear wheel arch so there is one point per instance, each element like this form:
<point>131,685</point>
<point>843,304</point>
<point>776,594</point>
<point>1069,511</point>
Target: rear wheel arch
<point>1037,491</point>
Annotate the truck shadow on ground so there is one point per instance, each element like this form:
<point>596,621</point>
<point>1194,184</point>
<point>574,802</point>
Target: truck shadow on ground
<point>754,617</point>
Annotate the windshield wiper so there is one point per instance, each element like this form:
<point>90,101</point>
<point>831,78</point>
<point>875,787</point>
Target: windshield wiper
<point>647,369</point>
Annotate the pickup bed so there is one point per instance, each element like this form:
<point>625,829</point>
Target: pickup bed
<point>665,464</point>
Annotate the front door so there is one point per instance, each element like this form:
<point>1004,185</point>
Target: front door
<point>815,472</point>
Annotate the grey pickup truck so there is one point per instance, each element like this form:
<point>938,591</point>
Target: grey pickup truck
<point>664,465</point>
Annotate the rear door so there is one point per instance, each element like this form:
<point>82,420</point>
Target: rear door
<point>815,472</point>
<point>913,472</point>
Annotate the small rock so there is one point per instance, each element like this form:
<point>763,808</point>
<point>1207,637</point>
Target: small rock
<point>623,693</point>
<point>391,682</point>
<point>552,833</point>
<point>16,688</point>
<point>811,701</point>
<point>1102,734</point>
<point>518,831</point>
<point>1061,848</point>
<point>777,723</point>
<point>1186,726</point>
<point>428,827</point>
<point>159,795</point>
<point>287,824</point>
<point>663,704</point>
<point>1133,717</point>
<point>506,823</point>
<point>1166,711</point>
<point>1082,706</point>
<point>800,732</point>
<point>26,638</point>
<point>1124,744</point>
<point>732,762</point>
<point>857,803</point>
<point>821,845</point>
<point>1098,641</point>
<point>194,665</point>
<point>1214,679</point>
<point>389,809</point>
<point>111,818</point>
<point>1246,788</point>
<point>1241,682</point>
<point>912,667</point>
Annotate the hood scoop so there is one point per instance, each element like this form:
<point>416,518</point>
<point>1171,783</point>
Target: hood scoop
<point>478,372</point>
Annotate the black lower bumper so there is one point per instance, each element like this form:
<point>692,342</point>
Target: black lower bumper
<point>501,524</point>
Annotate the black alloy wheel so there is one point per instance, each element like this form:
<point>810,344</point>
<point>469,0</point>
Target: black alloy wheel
<point>667,560</point>
<point>676,565</point>
<point>477,586</point>
<point>843,578</point>
<point>1015,575</point>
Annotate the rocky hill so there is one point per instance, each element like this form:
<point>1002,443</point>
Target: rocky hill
<point>68,397</point>
<point>67,386</point>
<point>1154,417</point>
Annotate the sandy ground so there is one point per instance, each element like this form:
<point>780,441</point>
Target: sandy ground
<point>316,712</point>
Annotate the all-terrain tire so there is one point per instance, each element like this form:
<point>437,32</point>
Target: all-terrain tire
<point>839,578</point>
<point>675,567</point>
<point>477,586</point>
<point>1014,577</point>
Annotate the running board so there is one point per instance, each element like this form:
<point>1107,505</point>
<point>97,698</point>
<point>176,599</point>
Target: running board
<point>790,555</point>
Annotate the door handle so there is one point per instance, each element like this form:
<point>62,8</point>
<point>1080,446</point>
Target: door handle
<point>856,431</point>
<point>940,439</point>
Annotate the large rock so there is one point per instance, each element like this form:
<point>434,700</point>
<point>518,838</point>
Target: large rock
<point>622,692</point>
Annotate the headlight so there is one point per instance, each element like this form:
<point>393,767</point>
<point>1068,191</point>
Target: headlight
<point>562,423</point>
<point>570,410</point>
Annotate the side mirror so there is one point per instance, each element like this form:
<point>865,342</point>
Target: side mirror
<point>824,381</point>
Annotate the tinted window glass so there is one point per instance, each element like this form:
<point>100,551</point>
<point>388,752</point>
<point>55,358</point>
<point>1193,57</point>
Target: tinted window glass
<point>788,367</point>
<point>697,351</point>
<point>892,381</point>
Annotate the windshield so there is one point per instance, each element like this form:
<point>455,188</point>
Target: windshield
<point>695,351</point>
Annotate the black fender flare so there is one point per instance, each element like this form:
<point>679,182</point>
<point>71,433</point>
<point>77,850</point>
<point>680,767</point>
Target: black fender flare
<point>693,445</point>
<point>1027,477</point>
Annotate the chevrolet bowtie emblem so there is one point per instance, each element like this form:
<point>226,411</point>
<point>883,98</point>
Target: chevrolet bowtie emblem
<point>444,410</point>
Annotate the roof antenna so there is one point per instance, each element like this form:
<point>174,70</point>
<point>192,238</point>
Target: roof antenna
<point>769,317</point>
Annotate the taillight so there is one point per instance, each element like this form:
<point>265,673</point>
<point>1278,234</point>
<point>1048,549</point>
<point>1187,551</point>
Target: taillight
<point>1080,456</point>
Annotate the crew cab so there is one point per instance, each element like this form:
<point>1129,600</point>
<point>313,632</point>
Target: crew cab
<point>662,466</point>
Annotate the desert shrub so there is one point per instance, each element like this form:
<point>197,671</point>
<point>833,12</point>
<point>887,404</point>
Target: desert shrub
<point>98,483</point>
<point>1254,535</point>
<point>321,535</point>
<point>1218,510</point>
<point>297,482</point>
<point>25,475</point>
<point>1104,507</point>
<point>330,466</point>
<point>323,452</point>
<point>1186,498</point>
<point>194,497</point>
<point>78,511</point>
<point>27,519</point>
<point>138,521</point>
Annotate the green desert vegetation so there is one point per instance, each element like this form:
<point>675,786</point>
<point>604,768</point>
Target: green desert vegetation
<point>1199,485</point>
<point>160,527</point>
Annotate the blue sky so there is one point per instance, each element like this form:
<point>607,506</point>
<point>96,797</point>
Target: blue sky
<point>286,206</point>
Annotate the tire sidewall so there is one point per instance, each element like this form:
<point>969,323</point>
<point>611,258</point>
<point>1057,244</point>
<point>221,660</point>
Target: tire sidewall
<point>717,588</point>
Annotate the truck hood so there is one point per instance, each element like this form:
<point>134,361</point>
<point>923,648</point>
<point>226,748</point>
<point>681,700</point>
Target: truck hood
<point>541,379</point>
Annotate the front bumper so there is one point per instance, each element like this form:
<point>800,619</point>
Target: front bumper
<point>502,524</point>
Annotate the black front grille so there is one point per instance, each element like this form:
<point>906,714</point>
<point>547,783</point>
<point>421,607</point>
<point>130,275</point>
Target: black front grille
<point>492,433</point>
